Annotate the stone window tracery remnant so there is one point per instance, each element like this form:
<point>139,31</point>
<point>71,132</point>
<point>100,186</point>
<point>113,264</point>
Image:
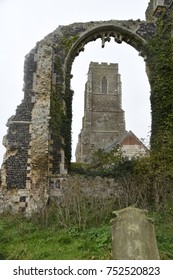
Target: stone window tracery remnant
<point>159,7</point>
<point>158,3</point>
<point>104,85</point>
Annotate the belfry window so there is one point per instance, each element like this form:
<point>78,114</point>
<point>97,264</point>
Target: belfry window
<point>104,86</point>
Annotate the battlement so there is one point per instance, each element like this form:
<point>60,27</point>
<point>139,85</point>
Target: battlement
<point>103,64</point>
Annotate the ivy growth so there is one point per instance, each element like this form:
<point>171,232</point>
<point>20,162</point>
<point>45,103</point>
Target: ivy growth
<point>57,115</point>
<point>61,106</point>
<point>67,42</point>
<point>160,64</point>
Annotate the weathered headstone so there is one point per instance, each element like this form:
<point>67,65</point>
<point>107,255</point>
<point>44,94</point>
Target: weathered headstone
<point>133,236</point>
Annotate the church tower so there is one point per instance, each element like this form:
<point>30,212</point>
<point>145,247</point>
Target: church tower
<point>103,120</point>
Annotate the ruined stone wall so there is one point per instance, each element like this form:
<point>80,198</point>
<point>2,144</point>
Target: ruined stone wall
<point>149,11</point>
<point>39,128</point>
<point>62,189</point>
<point>17,140</point>
<point>168,2</point>
<point>38,142</point>
<point>153,5</point>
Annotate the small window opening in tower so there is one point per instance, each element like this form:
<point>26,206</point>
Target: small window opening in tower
<point>104,85</point>
<point>134,84</point>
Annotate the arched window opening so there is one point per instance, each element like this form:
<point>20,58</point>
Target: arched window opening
<point>104,86</point>
<point>135,102</point>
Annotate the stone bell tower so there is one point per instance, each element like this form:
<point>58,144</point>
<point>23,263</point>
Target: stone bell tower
<point>103,120</point>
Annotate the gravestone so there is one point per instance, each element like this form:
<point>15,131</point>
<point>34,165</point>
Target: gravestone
<point>133,236</point>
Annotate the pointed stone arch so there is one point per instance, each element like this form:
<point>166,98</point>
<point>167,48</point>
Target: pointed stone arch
<point>39,135</point>
<point>45,113</point>
<point>134,33</point>
<point>131,32</point>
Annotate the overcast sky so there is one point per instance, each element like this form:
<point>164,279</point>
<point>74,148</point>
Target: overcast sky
<point>25,22</point>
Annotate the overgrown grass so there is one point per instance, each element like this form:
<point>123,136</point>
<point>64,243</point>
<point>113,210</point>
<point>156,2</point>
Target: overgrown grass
<point>25,239</point>
<point>164,232</point>
<point>78,225</point>
<point>22,238</point>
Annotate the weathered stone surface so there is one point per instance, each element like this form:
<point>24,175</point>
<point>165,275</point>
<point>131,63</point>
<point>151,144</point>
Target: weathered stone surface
<point>59,189</point>
<point>33,150</point>
<point>103,120</point>
<point>36,135</point>
<point>133,236</point>
<point>103,124</point>
<point>39,128</point>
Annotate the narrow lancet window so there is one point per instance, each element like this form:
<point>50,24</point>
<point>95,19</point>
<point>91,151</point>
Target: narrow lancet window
<point>104,85</point>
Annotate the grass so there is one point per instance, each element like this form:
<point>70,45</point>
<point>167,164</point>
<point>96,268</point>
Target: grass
<point>164,235</point>
<point>24,239</point>
<point>165,242</point>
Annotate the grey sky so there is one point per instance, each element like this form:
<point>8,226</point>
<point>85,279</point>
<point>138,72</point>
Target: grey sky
<point>24,22</point>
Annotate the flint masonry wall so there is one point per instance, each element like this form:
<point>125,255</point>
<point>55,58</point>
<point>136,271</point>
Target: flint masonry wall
<point>18,137</point>
<point>38,142</point>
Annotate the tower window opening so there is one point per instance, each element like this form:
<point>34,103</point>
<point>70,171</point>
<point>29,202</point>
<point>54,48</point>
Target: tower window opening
<point>104,86</point>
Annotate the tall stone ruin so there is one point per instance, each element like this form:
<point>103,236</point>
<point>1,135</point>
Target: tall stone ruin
<point>38,141</point>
